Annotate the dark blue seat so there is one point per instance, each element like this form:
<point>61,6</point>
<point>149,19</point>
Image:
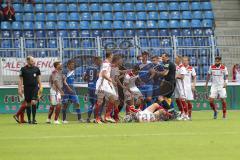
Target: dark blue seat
<point>130,33</point>
<point>173,6</point>
<point>197,15</point>
<point>73,33</point>
<point>197,32</point>
<point>50,7</point>
<point>151,24</point>
<point>164,15</point>
<point>151,7</point>
<point>6,44</point>
<point>107,25</point>
<point>62,8</point>
<point>117,25</point>
<point>186,15</point>
<point>107,16</point>
<point>86,16</point>
<point>18,7</point>
<point>51,17</point>
<point>175,32</point>
<point>153,32</point>
<point>119,16</point>
<point>40,16</point>
<point>130,16</point>
<point>185,24</point>
<point>141,32</point>
<point>52,43</point>
<point>39,8</point>
<point>84,25</point>
<point>74,16</point>
<point>206,5</point>
<point>107,33</point>
<point>129,7</point>
<point>106,7</point>
<point>129,25</point>
<point>72,25</point>
<point>6,34</point>
<point>19,16</point>
<point>72,7</point>
<point>154,42</point>
<point>95,25</point>
<point>28,25</point>
<point>28,17</point>
<point>195,23</point>
<point>186,32</point>
<point>175,15</point>
<point>140,24</point>
<point>163,32</point>
<point>28,8</point>
<point>118,33</point>
<point>62,25</point>
<point>40,33</point>
<point>83,7</point>
<point>207,23</point>
<point>163,24</point>
<point>62,16</point>
<point>51,33</point>
<point>153,15</point>
<point>62,33</point>
<point>174,24</point>
<point>39,25</point>
<point>195,6</point>
<point>140,7</point>
<point>208,32</point>
<point>208,15</point>
<point>95,7</point>
<point>117,7</point>
<point>141,16</point>
<point>41,43</point>
<point>184,6</point>
<point>162,6</point>
<point>96,33</point>
<point>16,25</point>
<point>50,25</point>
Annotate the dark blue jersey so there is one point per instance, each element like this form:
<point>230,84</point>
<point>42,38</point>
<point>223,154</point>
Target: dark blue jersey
<point>144,73</point>
<point>158,68</point>
<point>92,73</point>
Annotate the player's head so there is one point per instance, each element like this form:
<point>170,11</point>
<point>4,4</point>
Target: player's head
<point>178,59</point>
<point>160,59</point>
<point>185,61</point>
<point>116,59</point>
<point>218,61</point>
<point>145,55</point>
<point>71,65</point>
<point>97,61</point>
<point>109,55</point>
<point>136,70</point>
<point>154,59</point>
<point>165,57</point>
<point>30,61</point>
<point>139,58</point>
<point>57,65</point>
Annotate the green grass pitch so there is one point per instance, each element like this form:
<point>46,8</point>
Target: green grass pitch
<point>200,139</point>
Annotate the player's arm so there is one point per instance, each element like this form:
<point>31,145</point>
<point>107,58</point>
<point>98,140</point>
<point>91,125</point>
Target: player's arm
<point>86,77</point>
<point>20,86</point>
<point>225,78</point>
<point>208,77</point>
<point>66,84</point>
<point>194,81</point>
<point>117,79</point>
<point>104,75</point>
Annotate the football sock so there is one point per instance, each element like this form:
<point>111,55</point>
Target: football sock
<point>34,111</point>
<point>212,105</point>
<point>189,109</point>
<point>224,108</point>
<point>51,109</point>
<point>96,112</point>
<point>109,109</point>
<point>78,111</point>
<point>179,104</point>
<point>57,111</point>
<point>64,113</point>
<point>21,109</point>
<point>29,113</point>
<point>185,107</point>
<point>90,110</point>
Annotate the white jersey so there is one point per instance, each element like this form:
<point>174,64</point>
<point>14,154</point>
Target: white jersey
<point>106,66</point>
<point>218,75</point>
<point>146,116</point>
<point>238,74</point>
<point>180,85</point>
<point>130,79</point>
<point>114,72</point>
<point>188,82</point>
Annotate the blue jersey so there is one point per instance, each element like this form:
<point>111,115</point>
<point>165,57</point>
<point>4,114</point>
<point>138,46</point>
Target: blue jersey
<point>92,73</point>
<point>70,79</point>
<point>158,68</point>
<point>144,73</point>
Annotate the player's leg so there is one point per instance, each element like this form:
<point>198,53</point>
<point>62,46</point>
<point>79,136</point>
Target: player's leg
<point>212,96</point>
<point>189,104</point>
<point>92,100</point>
<point>58,108</point>
<point>223,96</point>
<point>74,99</point>
<point>116,111</point>
<point>19,116</point>
<point>34,102</point>
<point>110,104</point>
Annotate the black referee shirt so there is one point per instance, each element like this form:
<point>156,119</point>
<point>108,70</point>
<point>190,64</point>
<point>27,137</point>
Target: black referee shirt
<point>171,71</point>
<point>29,75</point>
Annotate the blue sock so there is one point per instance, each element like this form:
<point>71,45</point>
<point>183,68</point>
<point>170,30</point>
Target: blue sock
<point>64,113</point>
<point>90,110</point>
<point>172,105</point>
<point>78,113</point>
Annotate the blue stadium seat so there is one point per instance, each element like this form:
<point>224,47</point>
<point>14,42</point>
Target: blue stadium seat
<point>73,25</point>
<point>130,16</point>
<point>72,7</point>
<point>84,25</point>
<point>208,15</point>
<point>16,25</point>
<point>186,32</point>
<point>186,15</point>
<point>95,7</point>
<point>197,15</point>
<point>86,16</point>
<point>85,33</point>
<point>74,16</point>
<point>18,7</point>
<point>175,15</point>
<point>163,32</point>
<point>174,24</point>
<point>96,33</point>
<point>28,25</point>
<point>140,24</point>
<point>144,42</point>
<point>6,34</point>
<point>188,42</point>
<point>196,23</point>
<point>62,33</point>
<point>6,44</point>
<point>39,8</point>
<point>154,42</point>
<point>74,1</point>
<point>62,25</point>
<point>175,32</point>
<point>117,25</point>
<point>62,16</point>
<point>51,17</point>
<point>19,16</point>
<point>51,33</point>
<point>107,16</point>
<point>185,24</point>
<point>207,23</point>
<point>162,6</point>
<point>197,32</point>
<point>96,16</point>
<point>40,33</point>
<point>95,25</point>
<point>49,1</point>
<point>28,8</point>
<point>75,43</point>
<point>153,15</point>
<point>173,6</point>
<point>141,16</point>
<point>164,15</point>
<point>118,33</point>
<point>39,25</point>
<point>141,32</point>
<point>50,25</point>
<point>195,6</point>
<point>152,32</point>
<point>107,33</point>
<point>206,5</point>
<point>119,16</point>
<point>60,1</point>
<point>50,7</point>
<point>73,33</point>
<point>83,7</point>
<point>106,7</point>
<point>41,44</point>
<point>208,32</point>
<point>140,7</point>
<point>163,24</point>
<point>193,61</point>
<point>151,24</point>
<point>52,43</point>
<point>130,33</point>
<point>117,7</point>
<point>86,44</point>
<point>151,7</point>
<point>106,25</point>
<point>128,24</point>
<point>184,6</point>
<point>129,7</point>
<point>40,16</point>
<point>62,8</point>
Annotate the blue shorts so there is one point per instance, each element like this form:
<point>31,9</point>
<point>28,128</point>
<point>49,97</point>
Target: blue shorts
<point>70,98</point>
<point>91,93</point>
<point>146,90</point>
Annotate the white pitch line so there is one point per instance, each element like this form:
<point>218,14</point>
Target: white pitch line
<point>120,135</point>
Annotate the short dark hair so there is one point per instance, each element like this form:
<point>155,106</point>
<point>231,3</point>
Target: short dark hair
<point>55,64</point>
<point>218,58</point>
<point>108,53</point>
<point>166,54</point>
<point>154,57</point>
<point>136,68</point>
<point>139,57</point>
<point>116,57</point>
<point>70,61</point>
<point>145,53</point>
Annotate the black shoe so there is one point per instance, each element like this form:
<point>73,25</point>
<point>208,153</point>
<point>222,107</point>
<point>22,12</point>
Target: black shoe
<point>34,122</point>
<point>29,122</point>
<point>16,119</point>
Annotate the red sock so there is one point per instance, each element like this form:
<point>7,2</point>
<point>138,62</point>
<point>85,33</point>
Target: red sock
<point>57,111</point>
<point>212,105</point>
<point>50,112</point>
<point>189,109</point>
<point>116,114</point>
<point>109,109</point>
<point>21,109</point>
<point>185,107</point>
<point>179,104</point>
<point>96,111</point>
<point>224,108</point>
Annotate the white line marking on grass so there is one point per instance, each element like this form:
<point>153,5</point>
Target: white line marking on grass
<point>120,135</point>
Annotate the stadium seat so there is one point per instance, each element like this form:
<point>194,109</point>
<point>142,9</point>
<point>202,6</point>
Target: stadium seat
<point>141,32</point>
<point>6,44</point>
<point>195,6</point>
<point>130,33</point>
<point>186,15</point>
<point>173,24</point>
<point>95,7</point>
<point>162,6</point>
<point>153,15</point>
<point>173,6</point>
<point>141,16</point>
<point>107,16</point>
<point>28,25</point>
<point>196,24</point>
<point>175,15</point>
<point>84,25</point>
<point>140,7</point>
<point>153,32</point>
<point>95,25</point>
<point>74,16</point>
<point>128,25</point>
<point>72,8</point>
<point>83,7</point>
<point>73,33</point>
<point>48,1</point>
<point>197,15</point>
<point>86,16</point>
<point>28,8</point>
<point>163,32</point>
<point>51,17</point>
<point>175,32</point>
<point>40,33</point>
<point>129,7</point>
<point>206,5</point>
<point>40,16</point>
<point>184,6</point>
<point>62,33</point>
<point>6,34</point>
<point>151,7</point>
<point>117,7</point>
<point>39,25</point>
<point>51,33</point>
<point>96,16</point>
<point>154,42</point>
<point>16,25</point>
<point>208,15</point>
<point>19,16</point>
<point>50,25</point>
<point>185,24</point>
<point>62,25</point>
<point>118,33</point>
<point>151,24</point>
<point>96,33</point>
<point>106,25</point>
<point>207,23</point>
<point>62,16</point>
<point>62,8</point>
<point>39,8</point>
<point>208,32</point>
<point>18,7</point>
<point>163,24</point>
<point>106,7</point>
<point>140,24</point>
<point>164,15</point>
<point>197,32</point>
<point>186,32</point>
<point>60,1</point>
<point>130,16</point>
<point>52,43</point>
<point>107,33</point>
<point>50,7</point>
<point>73,25</point>
<point>119,16</point>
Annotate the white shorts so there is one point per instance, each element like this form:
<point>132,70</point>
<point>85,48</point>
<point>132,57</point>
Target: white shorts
<point>146,116</point>
<point>136,93</point>
<point>55,97</point>
<point>189,93</point>
<point>105,89</point>
<point>218,91</point>
<point>179,93</point>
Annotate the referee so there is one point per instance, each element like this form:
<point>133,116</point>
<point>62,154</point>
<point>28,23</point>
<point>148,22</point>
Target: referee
<point>30,78</point>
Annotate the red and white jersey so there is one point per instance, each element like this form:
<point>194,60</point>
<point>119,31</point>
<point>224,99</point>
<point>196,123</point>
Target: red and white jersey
<point>114,71</point>
<point>238,74</point>
<point>218,74</point>
<point>106,66</point>
<point>180,69</point>
<point>188,76</point>
<point>130,79</point>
